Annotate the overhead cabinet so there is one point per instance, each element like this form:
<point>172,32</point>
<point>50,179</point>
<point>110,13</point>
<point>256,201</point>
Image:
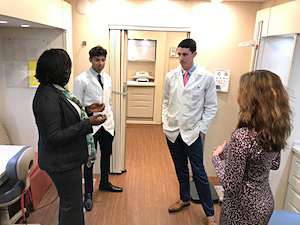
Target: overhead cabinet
<point>284,19</point>
<point>278,20</point>
<point>141,50</point>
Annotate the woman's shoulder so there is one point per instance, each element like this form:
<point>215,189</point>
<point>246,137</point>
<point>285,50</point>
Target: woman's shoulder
<point>244,133</point>
<point>247,138</point>
<point>241,132</point>
<point>45,91</point>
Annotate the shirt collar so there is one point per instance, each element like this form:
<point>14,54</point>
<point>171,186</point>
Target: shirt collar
<point>94,73</point>
<point>190,70</point>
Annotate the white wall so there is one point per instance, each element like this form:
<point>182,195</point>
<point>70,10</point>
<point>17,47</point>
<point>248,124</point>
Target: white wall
<point>217,29</point>
<point>15,102</point>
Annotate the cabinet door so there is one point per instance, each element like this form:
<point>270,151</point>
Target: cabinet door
<point>141,50</point>
<point>262,16</point>
<point>260,30</point>
<point>285,19</point>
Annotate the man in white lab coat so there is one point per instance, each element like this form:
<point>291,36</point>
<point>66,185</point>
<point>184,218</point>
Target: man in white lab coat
<point>94,85</point>
<point>189,106</point>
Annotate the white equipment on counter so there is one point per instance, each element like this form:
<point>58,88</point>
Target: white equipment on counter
<point>143,76</point>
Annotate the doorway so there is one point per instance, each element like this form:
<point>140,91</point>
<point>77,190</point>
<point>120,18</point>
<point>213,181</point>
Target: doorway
<point>122,71</point>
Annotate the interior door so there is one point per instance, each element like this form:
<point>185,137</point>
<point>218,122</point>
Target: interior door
<point>118,72</point>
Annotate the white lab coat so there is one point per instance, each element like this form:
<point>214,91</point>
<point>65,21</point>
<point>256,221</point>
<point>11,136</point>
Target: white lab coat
<point>189,109</point>
<point>88,90</point>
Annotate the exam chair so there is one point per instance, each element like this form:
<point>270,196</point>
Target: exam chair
<point>15,181</point>
<point>40,181</point>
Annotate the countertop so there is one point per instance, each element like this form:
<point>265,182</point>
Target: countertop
<point>131,83</point>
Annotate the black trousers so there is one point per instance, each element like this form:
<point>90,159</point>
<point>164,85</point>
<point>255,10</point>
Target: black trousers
<point>105,140</point>
<point>69,188</point>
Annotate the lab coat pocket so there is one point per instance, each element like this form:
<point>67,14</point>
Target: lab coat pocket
<point>196,96</point>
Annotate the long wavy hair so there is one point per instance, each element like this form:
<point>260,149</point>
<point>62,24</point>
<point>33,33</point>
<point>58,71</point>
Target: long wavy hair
<point>264,107</point>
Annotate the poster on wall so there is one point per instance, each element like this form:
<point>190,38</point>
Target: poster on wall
<point>20,59</point>
<point>33,82</point>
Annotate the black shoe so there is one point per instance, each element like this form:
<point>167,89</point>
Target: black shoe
<point>88,202</point>
<point>110,187</point>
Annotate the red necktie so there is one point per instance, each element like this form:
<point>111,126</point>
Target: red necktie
<point>185,77</point>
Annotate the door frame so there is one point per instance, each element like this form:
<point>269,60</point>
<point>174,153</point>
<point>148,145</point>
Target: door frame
<point>119,156</point>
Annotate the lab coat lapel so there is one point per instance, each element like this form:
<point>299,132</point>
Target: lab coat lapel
<point>93,80</point>
<point>105,82</point>
<point>191,79</point>
<point>194,76</point>
<point>180,77</point>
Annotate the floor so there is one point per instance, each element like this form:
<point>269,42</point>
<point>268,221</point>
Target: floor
<point>150,187</point>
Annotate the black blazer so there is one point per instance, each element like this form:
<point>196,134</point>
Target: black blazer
<point>62,141</point>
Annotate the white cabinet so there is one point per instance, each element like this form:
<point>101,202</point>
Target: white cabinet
<point>262,23</point>
<point>140,102</point>
<point>285,19</point>
<point>141,50</point>
<point>292,199</point>
<point>278,20</point>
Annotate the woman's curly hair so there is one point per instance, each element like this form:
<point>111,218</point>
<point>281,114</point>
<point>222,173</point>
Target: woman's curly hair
<point>264,107</point>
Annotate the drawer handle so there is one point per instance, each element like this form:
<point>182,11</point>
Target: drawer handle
<point>294,207</point>
<point>298,196</point>
<point>297,178</point>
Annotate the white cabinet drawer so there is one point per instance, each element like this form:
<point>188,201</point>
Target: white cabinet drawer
<point>292,200</point>
<point>296,165</point>
<point>294,180</point>
<point>140,102</point>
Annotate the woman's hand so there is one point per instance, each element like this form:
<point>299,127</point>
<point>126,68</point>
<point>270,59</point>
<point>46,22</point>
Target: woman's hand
<point>96,107</point>
<point>97,119</point>
<point>219,150</point>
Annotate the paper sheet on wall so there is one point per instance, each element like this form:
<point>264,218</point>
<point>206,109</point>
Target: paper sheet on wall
<point>20,55</point>
<point>16,73</point>
<point>33,82</point>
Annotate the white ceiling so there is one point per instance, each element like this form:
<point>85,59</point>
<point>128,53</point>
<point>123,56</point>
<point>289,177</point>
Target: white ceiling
<point>13,22</point>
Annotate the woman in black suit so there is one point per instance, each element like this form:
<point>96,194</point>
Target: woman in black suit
<point>65,140</point>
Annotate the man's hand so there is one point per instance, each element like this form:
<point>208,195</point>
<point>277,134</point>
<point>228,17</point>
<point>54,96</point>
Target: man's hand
<point>97,119</point>
<point>96,107</point>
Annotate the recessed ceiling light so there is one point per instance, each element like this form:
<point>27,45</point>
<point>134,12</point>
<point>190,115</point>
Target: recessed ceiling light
<point>3,21</point>
<point>25,25</point>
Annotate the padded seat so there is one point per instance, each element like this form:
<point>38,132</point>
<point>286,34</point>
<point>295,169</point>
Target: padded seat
<point>10,191</point>
<point>282,217</point>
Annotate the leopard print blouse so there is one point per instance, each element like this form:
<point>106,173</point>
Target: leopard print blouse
<point>245,178</point>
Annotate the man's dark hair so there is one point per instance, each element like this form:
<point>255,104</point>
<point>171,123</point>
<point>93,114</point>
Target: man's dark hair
<point>97,51</point>
<point>54,66</point>
<point>188,43</point>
